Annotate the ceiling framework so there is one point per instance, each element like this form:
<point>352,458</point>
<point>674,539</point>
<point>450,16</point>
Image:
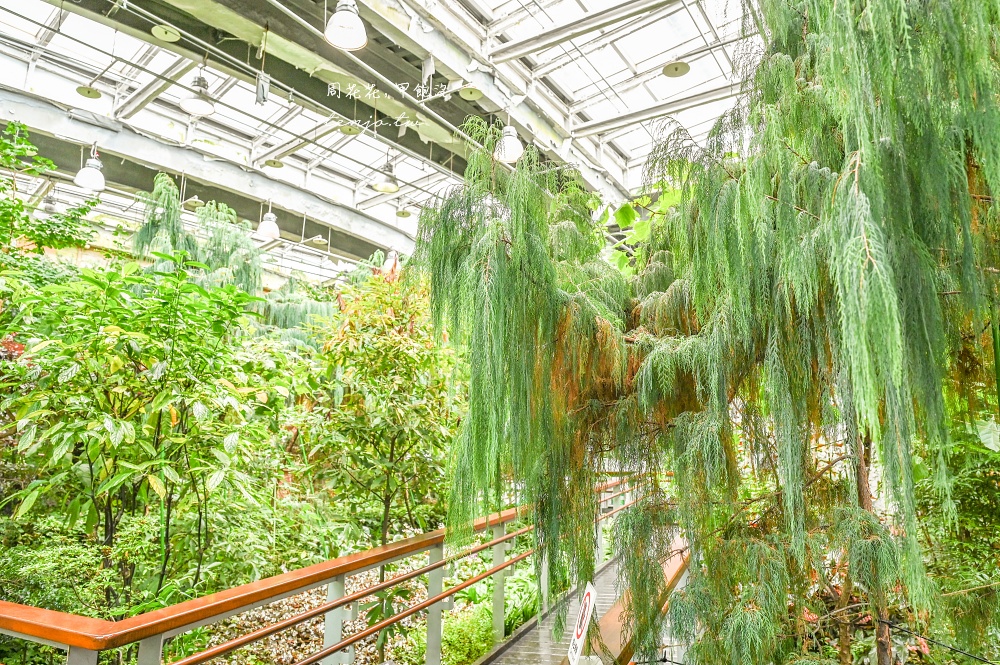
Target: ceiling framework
<point>581,80</point>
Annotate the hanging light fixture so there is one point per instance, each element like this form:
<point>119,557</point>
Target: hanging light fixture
<point>198,102</point>
<point>345,29</point>
<point>384,180</point>
<point>193,203</point>
<point>509,148</point>
<point>268,229</point>
<point>48,207</point>
<point>676,69</point>
<point>90,176</point>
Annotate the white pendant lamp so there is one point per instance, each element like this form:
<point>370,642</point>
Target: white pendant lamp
<point>345,29</point>
<point>90,176</point>
<point>509,148</point>
<point>48,207</point>
<point>268,229</point>
<point>384,180</point>
<point>198,102</point>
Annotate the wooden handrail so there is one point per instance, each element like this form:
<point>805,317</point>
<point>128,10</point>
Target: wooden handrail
<point>83,632</point>
<point>98,634</point>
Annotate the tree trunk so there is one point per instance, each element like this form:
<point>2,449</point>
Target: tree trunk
<point>844,623</point>
<point>883,647</point>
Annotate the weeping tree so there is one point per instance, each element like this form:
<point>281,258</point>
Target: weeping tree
<point>226,250</point>
<point>227,254</point>
<point>810,312</point>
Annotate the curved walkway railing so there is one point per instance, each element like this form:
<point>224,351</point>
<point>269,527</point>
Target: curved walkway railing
<point>84,637</point>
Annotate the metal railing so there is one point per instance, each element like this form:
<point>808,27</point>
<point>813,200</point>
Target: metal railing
<point>85,637</point>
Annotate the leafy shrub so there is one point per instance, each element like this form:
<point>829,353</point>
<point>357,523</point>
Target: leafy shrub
<point>467,637</point>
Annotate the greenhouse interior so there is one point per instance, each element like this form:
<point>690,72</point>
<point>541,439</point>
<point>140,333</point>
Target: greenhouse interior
<point>515,332</point>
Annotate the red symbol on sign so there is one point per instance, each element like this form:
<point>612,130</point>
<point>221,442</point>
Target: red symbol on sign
<point>584,610</point>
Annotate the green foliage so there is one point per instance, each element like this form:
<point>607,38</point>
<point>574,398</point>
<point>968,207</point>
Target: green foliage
<point>384,408</point>
<point>21,231</point>
<point>805,308</point>
<point>467,637</point>
<point>122,402</point>
<point>226,253</point>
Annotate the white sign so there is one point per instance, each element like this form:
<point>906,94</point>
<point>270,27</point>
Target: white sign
<point>582,623</point>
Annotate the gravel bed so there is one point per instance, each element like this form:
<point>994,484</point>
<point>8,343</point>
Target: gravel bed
<point>305,639</point>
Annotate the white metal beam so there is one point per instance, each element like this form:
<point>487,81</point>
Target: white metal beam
<point>657,110</point>
<point>649,74</point>
<point>426,181</point>
<point>47,118</point>
<point>157,86</point>
<point>563,59</point>
<point>295,144</point>
<point>427,34</point>
<point>563,33</point>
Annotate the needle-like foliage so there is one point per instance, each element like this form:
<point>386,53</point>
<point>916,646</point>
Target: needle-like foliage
<point>796,325</point>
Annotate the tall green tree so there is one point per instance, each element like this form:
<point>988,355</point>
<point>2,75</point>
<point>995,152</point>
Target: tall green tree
<point>797,326</point>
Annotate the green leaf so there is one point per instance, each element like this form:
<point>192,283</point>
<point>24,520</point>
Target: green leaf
<point>989,434</point>
<point>625,216</point>
<point>157,486</point>
<point>26,505</point>
<point>216,479</point>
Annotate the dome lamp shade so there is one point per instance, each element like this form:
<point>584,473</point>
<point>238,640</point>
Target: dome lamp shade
<point>48,207</point>
<point>509,148</point>
<point>384,180</point>
<point>198,102</point>
<point>90,176</point>
<point>268,229</point>
<point>345,29</point>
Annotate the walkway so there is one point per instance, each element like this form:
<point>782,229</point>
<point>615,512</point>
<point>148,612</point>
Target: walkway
<point>537,646</point>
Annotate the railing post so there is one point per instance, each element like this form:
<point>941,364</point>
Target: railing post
<point>78,656</point>
<point>499,556</point>
<point>543,583</point>
<point>599,544</point>
<point>151,650</point>
<point>333,628</point>
<point>435,585</point>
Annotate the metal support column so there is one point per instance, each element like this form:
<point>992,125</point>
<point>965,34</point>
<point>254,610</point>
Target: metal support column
<point>78,656</point>
<point>435,585</point>
<point>151,650</point>
<point>499,556</point>
<point>333,629</point>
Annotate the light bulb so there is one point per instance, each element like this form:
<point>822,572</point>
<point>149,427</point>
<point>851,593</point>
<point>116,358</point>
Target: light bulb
<point>384,180</point>
<point>47,207</point>
<point>268,227</point>
<point>345,29</point>
<point>509,148</point>
<point>198,103</point>
<point>90,176</point>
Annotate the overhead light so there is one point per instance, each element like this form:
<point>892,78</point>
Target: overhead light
<point>676,69</point>
<point>47,207</point>
<point>317,240</point>
<point>194,203</point>
<point>403,212</point>
<point>470,93</point>
<point>274,163</point>
<point>198,102</point>
<point>384,180</point>
<point>350,130</point>
<point>345,29</point>
<point>88,91</point>
<point>90,176</point>
<point>509,148</point>
<point>165,33</point>
<point>268,229</point>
